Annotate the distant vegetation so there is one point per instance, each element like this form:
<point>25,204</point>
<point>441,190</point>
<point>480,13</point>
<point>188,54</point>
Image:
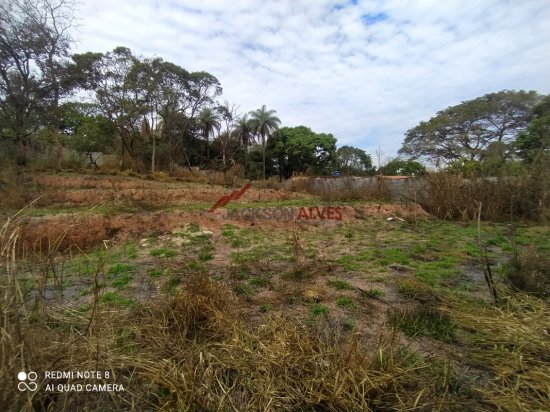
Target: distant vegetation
<point>152,115</point>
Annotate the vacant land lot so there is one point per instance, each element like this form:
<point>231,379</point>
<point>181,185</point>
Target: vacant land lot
<point>385,309</point>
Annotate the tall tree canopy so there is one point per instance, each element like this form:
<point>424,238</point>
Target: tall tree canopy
<point>534,144</point>
<point>129,90</point>
<point>354,161</point>
<point>118,95</point>
<point>87,132</point>
<point>299,149</point>
<point>34,44</point>
<point>402,167</point>
<point>466,130</point>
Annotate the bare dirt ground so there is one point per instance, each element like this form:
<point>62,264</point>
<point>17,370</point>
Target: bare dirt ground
<point>78,191</point>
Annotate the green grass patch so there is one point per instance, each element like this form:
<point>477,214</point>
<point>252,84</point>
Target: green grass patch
<point>114,299</point>
<point>348,325</point>
<point>372,293</point>
<point>171,284</point>
<point>353,263</point>
<point>389,255</point>
<point>237,238</point>
<point>339,284</point>
<point>259,281</point>
<point>120,268</point>
<point>345,302</point>
<point>163,252</point>
<point>423,320</point>
<point>243,289</point>
<point>122,281</point>
<point>265,307</point>
<point>317,310</point>
<point>158,272</point>
<point>432,271</point>
<point>85,292</point>
<point>196,266</point>
<point>131,250</point>
<point>206,255</point>
<point>249,256</point>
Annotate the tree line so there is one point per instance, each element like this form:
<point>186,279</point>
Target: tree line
<point>504,132</point>
<point>154,115</point>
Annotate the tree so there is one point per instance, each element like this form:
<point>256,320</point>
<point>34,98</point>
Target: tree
<point>534,144</point>
<point>34,44</point>
<point>227,113</point>
<point>264,123</point>
<point>299,149</point>
<point>128,89</point>
<point>354,161</point>
<point>402,167</point>
<point>117,94</point>
<point>467,129</point>
<point>182,96</point>
<point>88,133</point>
<point>244,133</point>
<point>208,122</point>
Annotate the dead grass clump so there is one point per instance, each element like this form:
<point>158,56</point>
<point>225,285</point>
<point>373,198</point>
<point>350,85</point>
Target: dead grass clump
<point>530,271</point>
<point>298,184</point>
<point>282,365</point>
<point>303,269</point>
<point>201,310</point>
<point>11,195</point>
<point>510,341</point>
<point>273,182</point>
<point>161,176</point>
<point>504,198</point>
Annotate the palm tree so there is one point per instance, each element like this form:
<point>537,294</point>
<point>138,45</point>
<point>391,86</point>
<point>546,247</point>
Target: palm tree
<point>244,132</point>
<point>208,122</point>
<point>264,123</point>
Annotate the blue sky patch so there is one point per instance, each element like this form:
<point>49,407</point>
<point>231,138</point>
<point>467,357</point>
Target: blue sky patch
<point>372,18</point>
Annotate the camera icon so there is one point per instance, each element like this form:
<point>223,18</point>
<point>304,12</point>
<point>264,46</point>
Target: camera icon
<point>23,378</point>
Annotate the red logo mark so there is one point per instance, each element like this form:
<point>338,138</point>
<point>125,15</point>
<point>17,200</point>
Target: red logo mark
<point>222,201</point>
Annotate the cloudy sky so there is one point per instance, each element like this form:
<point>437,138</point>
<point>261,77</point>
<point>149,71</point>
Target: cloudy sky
<point>365,71</point>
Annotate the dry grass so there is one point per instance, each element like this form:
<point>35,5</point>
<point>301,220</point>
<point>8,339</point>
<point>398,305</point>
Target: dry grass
<point>194,352</point>
<point>512,343</point>
<point>530,271</point>
<point>198,350</point>
<point>10,188</point>
<point>452,197</point>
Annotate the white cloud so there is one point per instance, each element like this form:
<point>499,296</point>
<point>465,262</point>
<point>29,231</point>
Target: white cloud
<point>365,71</point>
